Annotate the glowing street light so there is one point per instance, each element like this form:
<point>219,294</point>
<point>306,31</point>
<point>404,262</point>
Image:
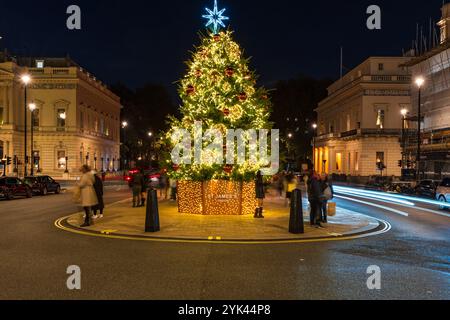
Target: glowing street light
<point>32,106</point>
<point>26,79</point>
<point>124,124</point>
<point>314,126</point>
<point>404,112</point>
<point>419,82</point>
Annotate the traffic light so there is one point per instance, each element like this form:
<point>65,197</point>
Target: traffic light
<point>400,163</point>
<point>8,161</point>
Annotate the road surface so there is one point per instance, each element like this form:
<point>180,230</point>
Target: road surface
<point>413,258</point>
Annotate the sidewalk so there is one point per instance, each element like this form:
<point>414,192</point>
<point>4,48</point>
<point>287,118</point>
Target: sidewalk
<point>123,220</point>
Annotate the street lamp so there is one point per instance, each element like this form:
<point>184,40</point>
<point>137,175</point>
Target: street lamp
<point>404,113</point>
<point>419,82</point>
<point>32,107</point>
<point>26,79</point>
<point>125,153</point>
<point>314,126</point>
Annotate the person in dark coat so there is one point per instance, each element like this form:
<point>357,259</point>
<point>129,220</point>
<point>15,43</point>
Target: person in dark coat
<point>315,198</point>
<point>98,187</point>
<point>260,195</point>
<point>137,185</point>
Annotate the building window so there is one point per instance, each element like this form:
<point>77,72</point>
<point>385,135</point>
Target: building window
<point>61,158</point>
<point>338,161</point>
<point>36,116</point>
<point>81,120</point>
<point>61,118</point>
<point>349,123</point>
<point>380,157</point>
<point>1,116</point>
<point>40,64</point>
<point>356,161</point>
<point>380,119</point>
<point>102,126</point>
<point>380,67</point>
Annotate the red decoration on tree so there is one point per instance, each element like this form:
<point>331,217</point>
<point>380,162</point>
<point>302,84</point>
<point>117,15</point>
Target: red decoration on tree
<point>229,72</point>
<point>228,169</point>
<point>190,90</point>
<point>198,73</point>
<point>217,37</point>
<point>242,96</point>
<point>176,167</point>
<point>226,112</point>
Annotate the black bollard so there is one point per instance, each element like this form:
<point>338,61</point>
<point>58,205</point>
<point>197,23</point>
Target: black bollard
<point>152,212</point>
<point>296,225</point>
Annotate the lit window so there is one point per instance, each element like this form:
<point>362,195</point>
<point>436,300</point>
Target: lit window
<point>61,157</point>
<point>380,119</point>
<point>61,118</point>
<point>40,64</point>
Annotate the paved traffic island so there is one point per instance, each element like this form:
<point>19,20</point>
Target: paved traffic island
<point>121,221</point>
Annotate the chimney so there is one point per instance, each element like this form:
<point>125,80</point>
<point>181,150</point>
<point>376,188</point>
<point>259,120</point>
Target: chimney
<point>444,24</point>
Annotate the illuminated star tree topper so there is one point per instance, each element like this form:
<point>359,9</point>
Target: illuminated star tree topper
<point>215,18</point>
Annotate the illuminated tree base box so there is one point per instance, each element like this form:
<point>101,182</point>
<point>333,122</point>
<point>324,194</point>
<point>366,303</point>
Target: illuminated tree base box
<point>217,197</point>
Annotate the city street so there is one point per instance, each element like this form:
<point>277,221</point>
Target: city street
<point>413,257</point>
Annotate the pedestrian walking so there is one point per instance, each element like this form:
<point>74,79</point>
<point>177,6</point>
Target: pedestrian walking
<point>163,185</point>
<point>280,184</point>
<point>328,194</point>
<point>260,195</point>
<point>87,193</point>
<point>291,185</point>
<point>137,183</point>
<point>315,198</point>
<point>173,189</point>
<point>98,187</point>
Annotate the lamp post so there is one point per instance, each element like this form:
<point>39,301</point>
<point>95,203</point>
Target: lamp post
<point>32,107</point>
<point>419,82</point>
<point>67,165</point>
<point>125,160</point>
<point>404,113</point>
<point>150,135</point>
<point>26,79</point>
<point>314,126</point>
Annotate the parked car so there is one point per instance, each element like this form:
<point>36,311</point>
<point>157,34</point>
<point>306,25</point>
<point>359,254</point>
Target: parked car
<point>379,183</point>
<point>443,192</point>
<point>426,188</point>
<point>11,187</point>
<point>43,185</point>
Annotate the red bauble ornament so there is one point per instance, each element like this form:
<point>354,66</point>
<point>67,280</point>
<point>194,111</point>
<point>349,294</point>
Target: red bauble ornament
<point>229,72</point>
<point>226,112</point>
<point>242,96</point>
<point>228,169</point>
<point>176,167</point>
<point>190,89</point>
<point>217,37</point>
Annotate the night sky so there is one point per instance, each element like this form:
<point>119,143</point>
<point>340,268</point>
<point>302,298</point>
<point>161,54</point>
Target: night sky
<point>138,42</point>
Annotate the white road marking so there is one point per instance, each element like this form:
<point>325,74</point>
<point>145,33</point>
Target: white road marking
<point>374,205</point>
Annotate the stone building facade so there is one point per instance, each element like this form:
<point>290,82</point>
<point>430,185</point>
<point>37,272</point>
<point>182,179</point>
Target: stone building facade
<point>77,120</point>
<point>434,67</point>
<point>360,122</point>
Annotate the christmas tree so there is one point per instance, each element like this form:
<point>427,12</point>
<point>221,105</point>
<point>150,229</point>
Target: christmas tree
<point>219,91</point>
